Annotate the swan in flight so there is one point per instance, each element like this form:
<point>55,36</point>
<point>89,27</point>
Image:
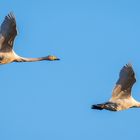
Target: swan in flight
<point>8,33</point>
<point>121,96</point>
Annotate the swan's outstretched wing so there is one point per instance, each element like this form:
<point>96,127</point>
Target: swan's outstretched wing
<point>124,83</point>
<point>8,32</point>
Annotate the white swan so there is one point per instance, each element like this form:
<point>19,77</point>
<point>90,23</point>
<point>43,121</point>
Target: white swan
<point>121,96</point>
<point>8,33</point>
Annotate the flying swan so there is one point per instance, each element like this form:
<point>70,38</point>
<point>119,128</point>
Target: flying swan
<point>8,33</point>
<point>121,96</point>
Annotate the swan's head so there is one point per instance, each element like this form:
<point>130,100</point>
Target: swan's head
<point>52,58</point>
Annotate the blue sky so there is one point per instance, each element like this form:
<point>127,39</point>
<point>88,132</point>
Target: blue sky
<point>52,100</point>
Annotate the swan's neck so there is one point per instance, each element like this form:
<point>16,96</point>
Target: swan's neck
<point>138,104</point>
<point>22,59</point>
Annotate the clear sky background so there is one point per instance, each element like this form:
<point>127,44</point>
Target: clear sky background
<point>52,100</point>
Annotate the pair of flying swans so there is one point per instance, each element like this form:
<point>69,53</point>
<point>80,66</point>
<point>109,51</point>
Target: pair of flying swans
<point>121,96</point>
<point>8,33</point>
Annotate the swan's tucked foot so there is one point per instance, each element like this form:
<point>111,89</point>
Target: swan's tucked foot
<point>98,107</point>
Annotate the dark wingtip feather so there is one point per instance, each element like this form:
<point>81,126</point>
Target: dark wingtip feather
<point>129,65</point>
<point>11,16</point>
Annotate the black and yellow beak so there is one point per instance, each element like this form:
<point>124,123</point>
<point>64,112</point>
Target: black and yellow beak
<point>57,59</point>
<point>52,58</point>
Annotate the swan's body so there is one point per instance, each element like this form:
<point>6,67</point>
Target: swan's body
<point>121,96</point>
<point>8,33</point>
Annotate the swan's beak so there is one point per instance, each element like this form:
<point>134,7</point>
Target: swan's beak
<point>52,58</point>
<point>57,59</point>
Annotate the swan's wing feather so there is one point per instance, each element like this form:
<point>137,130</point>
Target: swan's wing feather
<point>125,82</point>
<point>8,31</point>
